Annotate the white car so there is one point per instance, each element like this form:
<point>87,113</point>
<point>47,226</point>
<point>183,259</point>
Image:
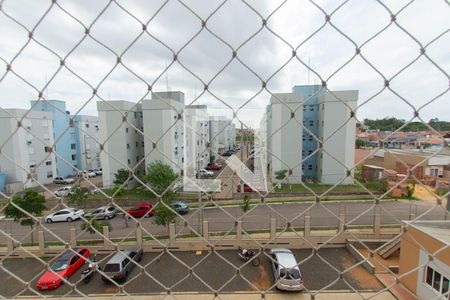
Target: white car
<point>65,215</point>
<point>89,174</point>
<point>64,191</point>
<point>206,173</point>
<point>285,270</point>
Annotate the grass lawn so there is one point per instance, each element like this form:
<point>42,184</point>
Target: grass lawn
<point>320,188</point>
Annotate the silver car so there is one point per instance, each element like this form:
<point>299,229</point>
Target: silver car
<point>121,264</point>
<point>285,270</point>
<point>102,213</point>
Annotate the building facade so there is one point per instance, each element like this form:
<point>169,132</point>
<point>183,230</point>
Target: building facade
<point>27,157</point>
<point>196,131</point>
<point>88,147</point>
<point>64,135</point>
<point>221,134</point>
<point>320,115</point>
<point>120,125</point>
<point>425,277</point>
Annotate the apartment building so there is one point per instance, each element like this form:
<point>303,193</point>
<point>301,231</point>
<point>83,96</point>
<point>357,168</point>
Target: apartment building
<point>64,135</point>
<point>164,128</point>
<point>120,123</point>
<point>196,131</point>
<point>88,147</point>
<point>222,134</point>
<point>320,115</point>
<point>26,158</point>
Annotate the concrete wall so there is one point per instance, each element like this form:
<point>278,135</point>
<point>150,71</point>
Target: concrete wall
<point>87,142</point>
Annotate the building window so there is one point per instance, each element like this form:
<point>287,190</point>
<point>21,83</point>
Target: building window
<point>74,157</point>
<point>304,137</point>
<point>48,163</point>
<point>126,129</point>
<point>311,108</point>
<point>49,174</point>
<point>436,281</point>
<point>311,123</point>
<point>303,166</point>
<point>73,146</point>
<point>128,146</point>
<point>32,164</point>
<point>310,138</point>
<point>309,167</point>
<point>304,123</point>
<point>143,144</point>
<point>135,115</point>
<point>46,149</point>
<point>87,125</point>
<point>73,135</point>
<point>137,158</point>
<point>309,152</point>
<point>303,152</point>
<point>304,107</point>
<point>129,162</point>
<point>137,144</point>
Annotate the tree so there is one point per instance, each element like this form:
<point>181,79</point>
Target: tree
<point>245,205</point>
<point>121,176</point>
<point>359,143</point>
<point>280,175</point>
<point>160,178</point>
<point>410,190</point>
<point>93,225</point>
<point>78,196</point>
<point>32,203</point>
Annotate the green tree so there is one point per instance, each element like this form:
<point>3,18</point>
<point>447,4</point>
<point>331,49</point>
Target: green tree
<point>93,225</point>
<point>410,190</point>
<point>245,204</point>
<point>359,143</point>
<point>280,175</point>
<point>32,204</point>
<point>78,196</point>
<point>160,177</point>
<point>121,176</point>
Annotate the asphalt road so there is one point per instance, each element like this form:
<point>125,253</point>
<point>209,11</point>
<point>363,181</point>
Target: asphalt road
<point>211,271</point>
<point>223,219</point>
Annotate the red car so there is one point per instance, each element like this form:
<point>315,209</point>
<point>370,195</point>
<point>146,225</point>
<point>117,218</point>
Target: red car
<point>213,166</point>
<point>140,210</point>
<point>65,266</point>
<point>247,189</point>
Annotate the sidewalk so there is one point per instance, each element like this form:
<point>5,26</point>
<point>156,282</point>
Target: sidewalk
<point>398,290</point>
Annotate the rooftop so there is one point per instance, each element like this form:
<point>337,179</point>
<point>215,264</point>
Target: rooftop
<point>440,230</point>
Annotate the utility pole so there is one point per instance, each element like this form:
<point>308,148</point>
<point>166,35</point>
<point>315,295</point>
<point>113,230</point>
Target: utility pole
<point>85,153</point>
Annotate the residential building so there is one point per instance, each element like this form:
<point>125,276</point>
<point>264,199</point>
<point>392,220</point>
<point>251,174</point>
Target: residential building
<point>27,156</point>
<point>164,128</point>
<point>120,125</point>
<point>196,133</point>
<point>424,266</point>
<point>64,135</point>
<point>221,134</point>
<point>320,115</point>
<point>88,147</point>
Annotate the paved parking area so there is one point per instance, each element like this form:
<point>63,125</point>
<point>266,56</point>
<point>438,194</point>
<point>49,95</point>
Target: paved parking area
<point>212,271</point>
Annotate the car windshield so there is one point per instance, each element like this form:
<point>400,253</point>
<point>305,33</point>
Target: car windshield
<point>112,268</point>
<point>59,265</point>
<point>290,274</point>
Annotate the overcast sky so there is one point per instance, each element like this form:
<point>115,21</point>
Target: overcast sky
<point>205,55</point>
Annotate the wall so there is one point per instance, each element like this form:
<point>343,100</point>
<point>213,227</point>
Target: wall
<point>411,244</point>
<point>64,135</point>
<point>88,148</point>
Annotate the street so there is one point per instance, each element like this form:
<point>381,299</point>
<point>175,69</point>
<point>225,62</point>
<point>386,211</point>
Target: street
<point>223,219</point>
<point>211,271</point>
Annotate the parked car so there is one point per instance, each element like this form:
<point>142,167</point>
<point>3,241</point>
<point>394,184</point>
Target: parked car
<point>228,153</point>
<point>213,166</point>
<point>285,270</point>
<point>180,207</point>
<point>98,171</point>
<point>65,266</point>
<point>140,210</point>
<point>102,213</point>
<point>120,265</point>
<point>65,215</point>
<point>247,188</point>
<point>89,173</point>
<point>205,173</point>
<point>64,191</point>
<point>62,180</point>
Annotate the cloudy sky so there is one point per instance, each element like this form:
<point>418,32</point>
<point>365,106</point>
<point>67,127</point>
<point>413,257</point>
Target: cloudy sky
<point>205,56</point>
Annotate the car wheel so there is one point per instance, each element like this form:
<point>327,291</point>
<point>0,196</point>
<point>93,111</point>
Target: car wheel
<point>106,218</point>
<point>69,219</point>
<point>49,220</point>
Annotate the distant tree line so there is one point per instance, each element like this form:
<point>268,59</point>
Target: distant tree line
<point>391,124</point>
